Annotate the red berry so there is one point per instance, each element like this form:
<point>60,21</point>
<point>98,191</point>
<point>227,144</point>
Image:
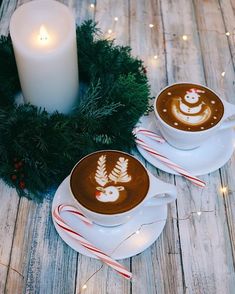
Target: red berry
<point>20,163</point>
<point>22,184</point>
<point>16,165</point>
<point>13,177</point>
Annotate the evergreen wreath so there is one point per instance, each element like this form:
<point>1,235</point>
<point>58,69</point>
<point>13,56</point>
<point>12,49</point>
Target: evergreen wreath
<point>38,149</point>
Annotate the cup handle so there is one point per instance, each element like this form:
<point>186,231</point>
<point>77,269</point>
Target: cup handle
<point>229,110</point>
<point>165,194</point>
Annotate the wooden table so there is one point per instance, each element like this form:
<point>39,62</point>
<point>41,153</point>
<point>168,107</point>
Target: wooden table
<point>195,253</point>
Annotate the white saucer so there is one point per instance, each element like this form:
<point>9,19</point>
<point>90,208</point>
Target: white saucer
<point>203,160</point>
<point>107,239</point>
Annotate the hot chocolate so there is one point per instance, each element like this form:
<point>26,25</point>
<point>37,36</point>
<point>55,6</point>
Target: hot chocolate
<point>109,182</point>
<point>189,107</point>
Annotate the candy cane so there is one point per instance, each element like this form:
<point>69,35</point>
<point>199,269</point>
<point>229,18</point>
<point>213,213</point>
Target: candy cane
<point>149,134</point>
<point>82,241</point>
<point>169,163</point>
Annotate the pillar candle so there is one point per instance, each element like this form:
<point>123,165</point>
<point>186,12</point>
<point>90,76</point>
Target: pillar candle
<point>43,34</point>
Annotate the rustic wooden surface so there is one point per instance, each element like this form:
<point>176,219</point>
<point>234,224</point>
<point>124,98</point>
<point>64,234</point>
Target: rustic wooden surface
<point>194,254</point>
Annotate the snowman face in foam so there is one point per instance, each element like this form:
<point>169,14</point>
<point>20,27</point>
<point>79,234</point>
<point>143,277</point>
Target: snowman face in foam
<point>191,98</point>
<point>191,110</point>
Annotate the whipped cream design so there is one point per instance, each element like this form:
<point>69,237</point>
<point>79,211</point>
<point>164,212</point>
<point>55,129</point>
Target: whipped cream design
<point>191,109</point>
<point>106,192</point>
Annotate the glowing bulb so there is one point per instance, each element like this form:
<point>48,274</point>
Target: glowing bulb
<point>155,57</point>
<point>185,37</point>
<point>151,25</point>
<point>43,34</point>
<point>223,74</point>
<point>227,34</point>
<point>92,5</point>
<point>110,31</point>
<point>199,213</point>
<point>84,287</point>
<point>137,232</point>
<point>224,189</point>
<point>116,18</point>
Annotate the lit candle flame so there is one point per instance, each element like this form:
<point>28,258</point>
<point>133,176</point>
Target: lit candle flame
<point>43,34</point>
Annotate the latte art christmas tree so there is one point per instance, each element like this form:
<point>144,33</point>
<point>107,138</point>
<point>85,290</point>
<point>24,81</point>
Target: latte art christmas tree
<point>109,191</point>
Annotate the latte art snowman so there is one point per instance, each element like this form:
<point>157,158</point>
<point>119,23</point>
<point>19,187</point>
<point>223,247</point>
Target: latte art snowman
<point>191,109</point>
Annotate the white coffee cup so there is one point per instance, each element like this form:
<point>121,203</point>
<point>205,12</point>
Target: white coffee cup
<point>187,140</point>
<point>159,193</point>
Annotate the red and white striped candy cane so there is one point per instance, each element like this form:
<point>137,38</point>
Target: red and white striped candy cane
<point>86,244</point>
<point>149,134</point>
<point>169,163</point>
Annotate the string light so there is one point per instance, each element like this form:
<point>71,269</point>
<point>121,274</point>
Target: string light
<point>138,232</point>
<point>224,189</point>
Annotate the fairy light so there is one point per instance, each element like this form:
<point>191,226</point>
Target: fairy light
<point>155,57</point>
<point>227,34</point>
<point>223,74</point>
<point>92,5</point>
<point>151,25</point>
<point>224,189</point>
<point>116,18</point>
<point>84,287</point>
<point>110,31</point>
<point>185,37</point>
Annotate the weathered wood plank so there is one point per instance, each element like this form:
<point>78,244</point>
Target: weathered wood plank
<point>21,247</point>
<point>6,10</point>
<point>40,262</point>
<point>113,15</point>
<point>158,269</point>
<point>8,213</point>
<point>202,246</point>
<point>106,280</point>
<point>228,172</point>
<point>51,263</point>
<point>148,43</point>
<point>224,50</point>
<point>228,14</point>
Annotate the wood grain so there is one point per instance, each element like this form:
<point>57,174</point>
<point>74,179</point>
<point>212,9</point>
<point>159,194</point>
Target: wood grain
<point>195,253</point>
<point>8,214</point>
<point>186,61</point>
<point>106,280</point>
<point>159,269</point>
<point>223,60</point>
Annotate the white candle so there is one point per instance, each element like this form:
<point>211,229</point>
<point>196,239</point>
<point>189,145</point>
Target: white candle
<point>43,34</point>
